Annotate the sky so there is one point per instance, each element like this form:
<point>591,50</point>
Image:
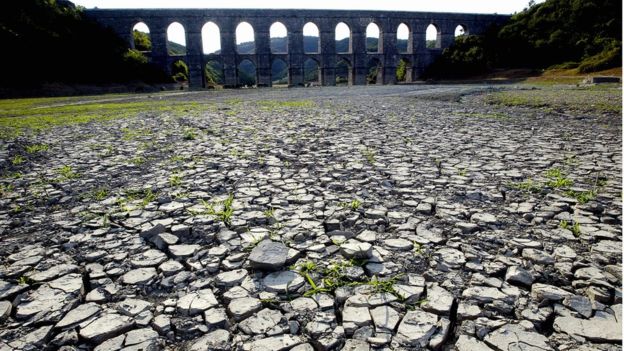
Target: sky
<point>211,38</point>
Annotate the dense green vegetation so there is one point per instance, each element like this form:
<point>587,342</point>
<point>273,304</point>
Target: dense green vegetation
<point>561,33</point>
<point>50,41</point>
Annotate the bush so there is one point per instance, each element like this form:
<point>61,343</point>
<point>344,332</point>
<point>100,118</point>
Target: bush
<point>608,58</point>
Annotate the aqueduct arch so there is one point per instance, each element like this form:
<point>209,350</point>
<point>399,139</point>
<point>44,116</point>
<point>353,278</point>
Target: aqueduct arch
<point>122,21</point>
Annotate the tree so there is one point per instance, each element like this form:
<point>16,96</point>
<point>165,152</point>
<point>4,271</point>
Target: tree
<point>142,41</point>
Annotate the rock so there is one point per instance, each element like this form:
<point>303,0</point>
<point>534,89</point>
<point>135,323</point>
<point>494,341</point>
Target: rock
<point>485,218</point>
<point>354,317</point>
<point>356,249</point>
<point>132,307</point>
<point>78,314</point>
<point>580,304</point>
<point>139,276</point>
<point>216,317</point>
<point>268,255</point>
<point>244,307</point>
<point>302,304</point>
<point>416,329</point>
<point>518,275</point>
<point>385,318</point>
<point>438,301</point>
<point>231,278</point>
<point>140,336</point>
<point>170,268</point>
<point>53,272</point>
<point>7,289</point>
<point>537,256</point>
<point>515,337</point>
<point>280,282</point>
<point>355,345</point>
<point>444,327</point>
<point>409,293</point>
<point>105,327</point>
<point>115,343</point>
<point>196,302</point>
<point>182,252</point>
<point>276,343</point>
<point>483,294</point>
<point>5,310</point>
<point>540,292</point>
<point>468,343</point>
<point>35,340</point>
<point>162,324</point>
<point>261,322</point>
<point>596,329</point>
<point>608,247</point>
<point>52,300</point>
<point>451,257</point>
<point>150,232</point>
<point>398,244</point>
<point>149,258</point>
<point>217,340</point>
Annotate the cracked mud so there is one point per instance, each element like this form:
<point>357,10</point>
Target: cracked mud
<point>367,218</point>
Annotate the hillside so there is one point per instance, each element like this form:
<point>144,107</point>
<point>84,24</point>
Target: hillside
<point>566,34</point>
<point>30,30</point>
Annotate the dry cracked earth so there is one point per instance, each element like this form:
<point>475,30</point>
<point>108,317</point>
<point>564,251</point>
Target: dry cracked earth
<point>368,218</point>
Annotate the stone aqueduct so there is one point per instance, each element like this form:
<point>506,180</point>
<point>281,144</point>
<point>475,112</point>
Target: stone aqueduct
<point>122,21</point>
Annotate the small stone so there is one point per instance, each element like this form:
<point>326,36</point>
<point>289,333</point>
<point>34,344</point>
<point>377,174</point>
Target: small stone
<point>468,343</point>
<point>276,343</point>
<point>35,340</point>
<point>5,310</point>
<point>261,322</point>
<point>540,292</point>
<point>196,302</point>
<point>580,304</point>
<point>53,272</point>
<point>538,256</point>
<point>281,282</point>
<point>356,249</point>
<point>78,314</point>
<point>139,276</point>
<point>148,233</point>
<point>139,336</point>
<point>231,278</point>
<point>355,345</point>
<point>268,255</point>
<point>149,258</point>
<point>216,317</point>
<point>182,252</point>
<point>244,307</point>
<point>105,327</point>
<point>162,324</point>
<point>217,340</point>
<point>485,218</point>
<point>170,268</point>
<point>451,257</point>
<point>483,294</point>
<point>385,317</point>
<point>416,328</point>
<point>596,329</point>
<point>518,275</point>
<point>302,304</point>
<point>7,289</point>
<point>398,244</point>
<point>438,300</point>
<point>515,337</point>
<point>132,307</point>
